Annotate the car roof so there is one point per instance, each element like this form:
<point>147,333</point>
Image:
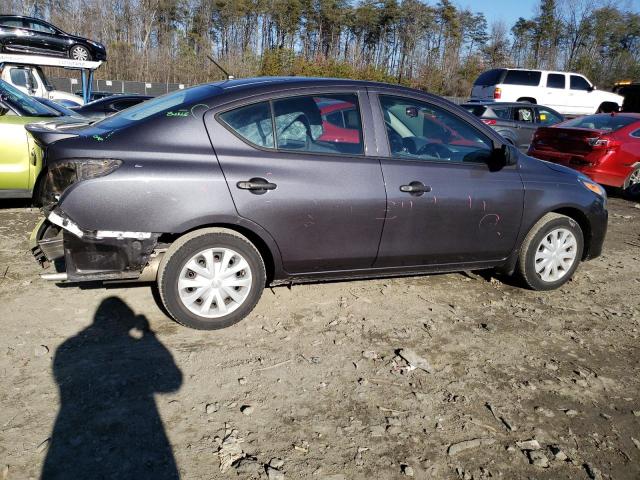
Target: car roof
<point>24,17</point>
<point>501,104</point>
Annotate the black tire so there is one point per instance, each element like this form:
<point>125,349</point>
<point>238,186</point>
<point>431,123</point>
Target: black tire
<point>76,50</point>
<point>183,250</point>
<point>631,187</point>
<point>527,262</point>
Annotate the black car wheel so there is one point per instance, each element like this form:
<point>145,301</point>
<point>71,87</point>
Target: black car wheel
<point>631,188</point>
<point>211,279</point>
<point>551,252</point>
<point>78,52</point>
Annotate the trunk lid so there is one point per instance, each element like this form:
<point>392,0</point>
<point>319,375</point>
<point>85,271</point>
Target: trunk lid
<point>566,140</point>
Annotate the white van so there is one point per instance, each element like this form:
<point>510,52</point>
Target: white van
<point>568,93</point>
<point>32,81</point>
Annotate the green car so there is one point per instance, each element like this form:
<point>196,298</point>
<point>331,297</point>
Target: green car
<point>20,156</point>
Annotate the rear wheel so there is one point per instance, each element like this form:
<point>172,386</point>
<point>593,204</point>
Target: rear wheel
<point>551,252</point>
<point>78,52</point>
<point>211,279</point>
<point>608,107</point>
<point>631,188</point>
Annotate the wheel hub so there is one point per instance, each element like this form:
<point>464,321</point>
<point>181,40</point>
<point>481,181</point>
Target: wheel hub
<point>555,255</point>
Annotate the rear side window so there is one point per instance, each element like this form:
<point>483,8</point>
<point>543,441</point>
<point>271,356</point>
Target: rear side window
<point>523,114</point>
<point>556,80</point>
<point>601,122</point>
<point>315,123</point>
<point>636,133</point>
<point>490,77</point>
<point>477,110</point>
<point>300,125</point>
<point>253,123</point>
<point>523,77</point>
<point>12,22</point>
<point>579,83</point>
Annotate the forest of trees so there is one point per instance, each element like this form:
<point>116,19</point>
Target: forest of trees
<point>434,45</point>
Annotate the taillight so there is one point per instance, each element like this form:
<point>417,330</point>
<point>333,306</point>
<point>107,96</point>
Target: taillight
<point>488,121</point>
<point>497,93</point>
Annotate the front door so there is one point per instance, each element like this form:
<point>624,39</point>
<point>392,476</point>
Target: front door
<point>445,205</point>
<point>310,186</point>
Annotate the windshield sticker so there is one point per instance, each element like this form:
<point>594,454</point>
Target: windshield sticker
<point>179,113</point>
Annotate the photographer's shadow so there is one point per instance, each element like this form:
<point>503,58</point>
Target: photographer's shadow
<point>108,425</point>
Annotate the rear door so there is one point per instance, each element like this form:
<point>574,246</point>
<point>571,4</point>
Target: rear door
<point>525,119</point>
<point>555,91</point>
<point>320,198</point>
<point>445,206</point>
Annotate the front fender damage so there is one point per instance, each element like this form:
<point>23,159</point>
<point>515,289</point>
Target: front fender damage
<point>85,255</point>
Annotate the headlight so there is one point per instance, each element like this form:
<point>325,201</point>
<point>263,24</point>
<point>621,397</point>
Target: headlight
<point>593,186</point>
<point>61,175</point>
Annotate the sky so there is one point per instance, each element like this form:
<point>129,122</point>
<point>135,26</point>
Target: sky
<point>510,10</point>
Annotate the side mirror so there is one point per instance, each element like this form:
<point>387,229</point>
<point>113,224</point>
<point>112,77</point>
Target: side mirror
<point>592,88</point>
<point>503,156</point>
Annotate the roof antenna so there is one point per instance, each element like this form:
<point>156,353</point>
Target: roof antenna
<point>229,77</point>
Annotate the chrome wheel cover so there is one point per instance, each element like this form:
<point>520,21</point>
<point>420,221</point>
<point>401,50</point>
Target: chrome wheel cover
<point>214,282</point>
<point>555,255</point>
<point>633,186</point>
<point>79,53</point>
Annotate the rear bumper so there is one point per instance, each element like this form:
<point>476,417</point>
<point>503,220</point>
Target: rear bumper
<point>83,255</point>
<point>601,173</point>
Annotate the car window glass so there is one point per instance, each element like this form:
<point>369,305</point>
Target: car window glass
<point>19,77</point>
<point>556,80</point>
<point>523,114</point>
<point>40,27</point>
<point>636,133</point>
<point>547,117</point>
<point>490,77</point>
<point>601,122</point>
<point>477,110</point>
<point>579,83</point>
<point>334,118</point>
<point>421,131</point>
<point>522,77</point>
<point>23,103</point>
<point>12,22</point>
<point>252,122</point>
<point>124,104</point>
<point>504,112</point>
<point>299,124</point>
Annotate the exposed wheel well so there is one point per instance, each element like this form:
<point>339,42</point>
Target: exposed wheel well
<point>582,220</point>
<point>608,107</point>
<point>265,251</point>
<point>527,100</point>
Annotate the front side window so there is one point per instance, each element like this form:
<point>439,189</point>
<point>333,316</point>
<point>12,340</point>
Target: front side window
<point>579,83</point>
<point>556,80</point>
<point>636,133</point>
<point>20,77</point>
<point>253,123</point>
<point>523,77</point>
<point>523,114</point>
<point>424,132</point>
<point>547,117</point>
<point>301,124</point>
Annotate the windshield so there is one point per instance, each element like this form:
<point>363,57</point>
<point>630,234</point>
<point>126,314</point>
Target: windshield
<point>24,105</point>
<point>601,122</point>
<point>179,103</point>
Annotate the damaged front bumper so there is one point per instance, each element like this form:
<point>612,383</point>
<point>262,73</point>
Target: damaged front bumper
<point>81,255</point>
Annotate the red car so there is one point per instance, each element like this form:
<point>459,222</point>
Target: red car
<point>606,147</point>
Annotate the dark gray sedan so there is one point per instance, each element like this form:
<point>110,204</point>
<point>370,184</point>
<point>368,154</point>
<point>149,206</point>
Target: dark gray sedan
<point>516,122</point>
<point>215,191</point>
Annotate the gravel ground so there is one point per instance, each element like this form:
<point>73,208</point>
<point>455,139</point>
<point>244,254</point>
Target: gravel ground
<point>98,383</point>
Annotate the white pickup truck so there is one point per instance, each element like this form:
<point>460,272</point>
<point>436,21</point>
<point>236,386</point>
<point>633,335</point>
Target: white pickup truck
<point>568,93</point>
<point>32,81</point>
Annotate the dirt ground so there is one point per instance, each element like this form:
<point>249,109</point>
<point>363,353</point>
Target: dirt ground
<point>98,383</point>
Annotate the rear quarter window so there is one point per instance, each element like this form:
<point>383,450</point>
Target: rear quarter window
<point>252,123</point>
<point>523,77</point>
<point>490,77</point>
<point>605,122</point>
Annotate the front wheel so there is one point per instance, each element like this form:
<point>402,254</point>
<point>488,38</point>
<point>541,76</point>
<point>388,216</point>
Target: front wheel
<point>78,52</point>
<point>551,252</point>
<point>211,279</point>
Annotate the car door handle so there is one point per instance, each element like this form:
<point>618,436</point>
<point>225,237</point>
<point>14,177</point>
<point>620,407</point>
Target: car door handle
<point>256,185</point>
<point>415,188</point>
